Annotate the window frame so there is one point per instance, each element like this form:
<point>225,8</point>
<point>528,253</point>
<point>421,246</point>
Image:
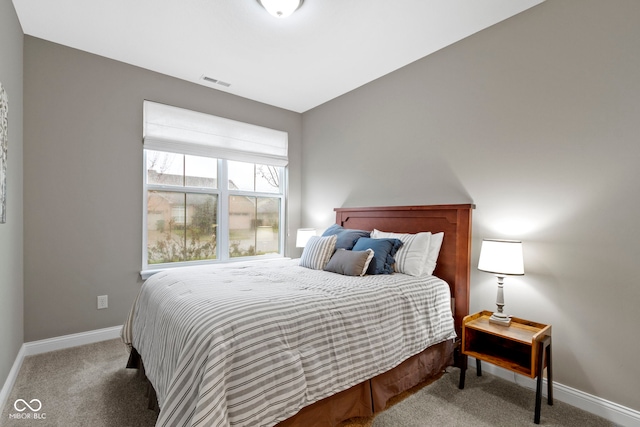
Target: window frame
<point>223,193</point>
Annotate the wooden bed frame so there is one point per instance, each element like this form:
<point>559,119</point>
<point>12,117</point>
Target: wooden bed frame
<point>453,266</point>
<point>454,262</point>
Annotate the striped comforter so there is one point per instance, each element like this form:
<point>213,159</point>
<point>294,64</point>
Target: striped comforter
<point>253,343</point>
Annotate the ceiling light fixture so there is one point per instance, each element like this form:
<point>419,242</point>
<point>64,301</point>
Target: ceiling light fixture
<point>281,8</point>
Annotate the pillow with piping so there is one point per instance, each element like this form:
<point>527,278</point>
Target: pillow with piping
<point>350,263</point>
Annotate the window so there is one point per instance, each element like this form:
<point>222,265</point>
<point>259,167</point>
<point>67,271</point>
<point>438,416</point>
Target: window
<point>206,204</point>
<point>182,203</point>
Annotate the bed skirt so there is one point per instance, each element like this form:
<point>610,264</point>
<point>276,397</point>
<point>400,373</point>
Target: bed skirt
<point>361,400</point>
<point>371,396</point>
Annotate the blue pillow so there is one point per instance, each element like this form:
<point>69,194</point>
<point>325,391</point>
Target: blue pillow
<point>384,251</point>
<point>346,237</point>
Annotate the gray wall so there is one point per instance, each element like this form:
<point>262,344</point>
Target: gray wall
<point>83,180</point>
<point>11,235</point>
<point>536,121</point>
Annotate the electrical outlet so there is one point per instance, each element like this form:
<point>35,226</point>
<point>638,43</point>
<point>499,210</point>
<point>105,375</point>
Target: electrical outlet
<point>103,301</point>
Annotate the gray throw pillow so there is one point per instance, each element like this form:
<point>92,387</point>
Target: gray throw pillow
<point>350,263</point>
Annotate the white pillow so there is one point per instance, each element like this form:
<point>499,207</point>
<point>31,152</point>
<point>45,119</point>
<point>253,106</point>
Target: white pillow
<point>317,252</point>
<point>434,251</point>
<point>412,255</point>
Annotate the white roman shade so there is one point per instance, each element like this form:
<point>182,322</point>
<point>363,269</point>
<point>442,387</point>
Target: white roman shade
<point>178,130</point>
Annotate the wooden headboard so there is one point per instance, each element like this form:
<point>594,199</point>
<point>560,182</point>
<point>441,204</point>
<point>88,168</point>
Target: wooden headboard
<point>454,261</point>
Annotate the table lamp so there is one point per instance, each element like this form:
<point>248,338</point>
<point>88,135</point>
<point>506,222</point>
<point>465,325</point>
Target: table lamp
<point>303,236</point>
<point>502,258</point>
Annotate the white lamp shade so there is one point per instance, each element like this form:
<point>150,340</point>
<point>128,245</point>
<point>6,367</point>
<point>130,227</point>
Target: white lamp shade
<point>281,8</point>
<point>303,236</point>
<point>501,257</point>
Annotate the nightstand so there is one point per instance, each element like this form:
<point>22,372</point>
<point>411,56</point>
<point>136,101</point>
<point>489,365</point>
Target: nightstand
<point>523,348</point>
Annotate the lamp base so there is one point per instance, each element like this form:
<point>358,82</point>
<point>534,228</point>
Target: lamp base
<point>500,319</point>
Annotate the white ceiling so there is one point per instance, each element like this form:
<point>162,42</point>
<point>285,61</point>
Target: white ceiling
<point>325,49</point>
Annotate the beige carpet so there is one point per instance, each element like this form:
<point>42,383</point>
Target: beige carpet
<point>81,386</point>
<point>486,401</point>
<point>89,386</point>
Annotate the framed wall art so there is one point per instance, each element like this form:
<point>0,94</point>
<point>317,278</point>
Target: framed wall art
<point>4,142</point>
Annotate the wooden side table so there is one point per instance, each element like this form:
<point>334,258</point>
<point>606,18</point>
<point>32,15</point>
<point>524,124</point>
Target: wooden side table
<point>523,348</point>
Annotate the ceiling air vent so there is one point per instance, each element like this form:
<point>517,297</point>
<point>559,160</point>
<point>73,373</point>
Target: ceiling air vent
<point>216,81</point>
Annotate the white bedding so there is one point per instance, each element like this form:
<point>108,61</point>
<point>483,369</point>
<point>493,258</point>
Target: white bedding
<point>253,343</point>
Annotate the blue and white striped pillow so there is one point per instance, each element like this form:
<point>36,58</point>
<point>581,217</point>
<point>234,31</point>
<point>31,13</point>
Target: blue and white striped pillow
<point>318,251</point>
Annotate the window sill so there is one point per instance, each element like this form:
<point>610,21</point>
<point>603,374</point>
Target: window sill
<point>145,274</point>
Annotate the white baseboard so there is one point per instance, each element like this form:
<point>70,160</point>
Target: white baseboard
<point>617,414</point>
<point>73,340</point>
<point>11,379</point>
<point>52,344</point>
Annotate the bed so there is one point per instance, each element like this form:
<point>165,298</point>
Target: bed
<point>212,364</point>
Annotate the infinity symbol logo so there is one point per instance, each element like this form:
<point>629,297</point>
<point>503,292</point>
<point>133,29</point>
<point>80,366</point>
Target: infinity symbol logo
<point>24,405</point>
